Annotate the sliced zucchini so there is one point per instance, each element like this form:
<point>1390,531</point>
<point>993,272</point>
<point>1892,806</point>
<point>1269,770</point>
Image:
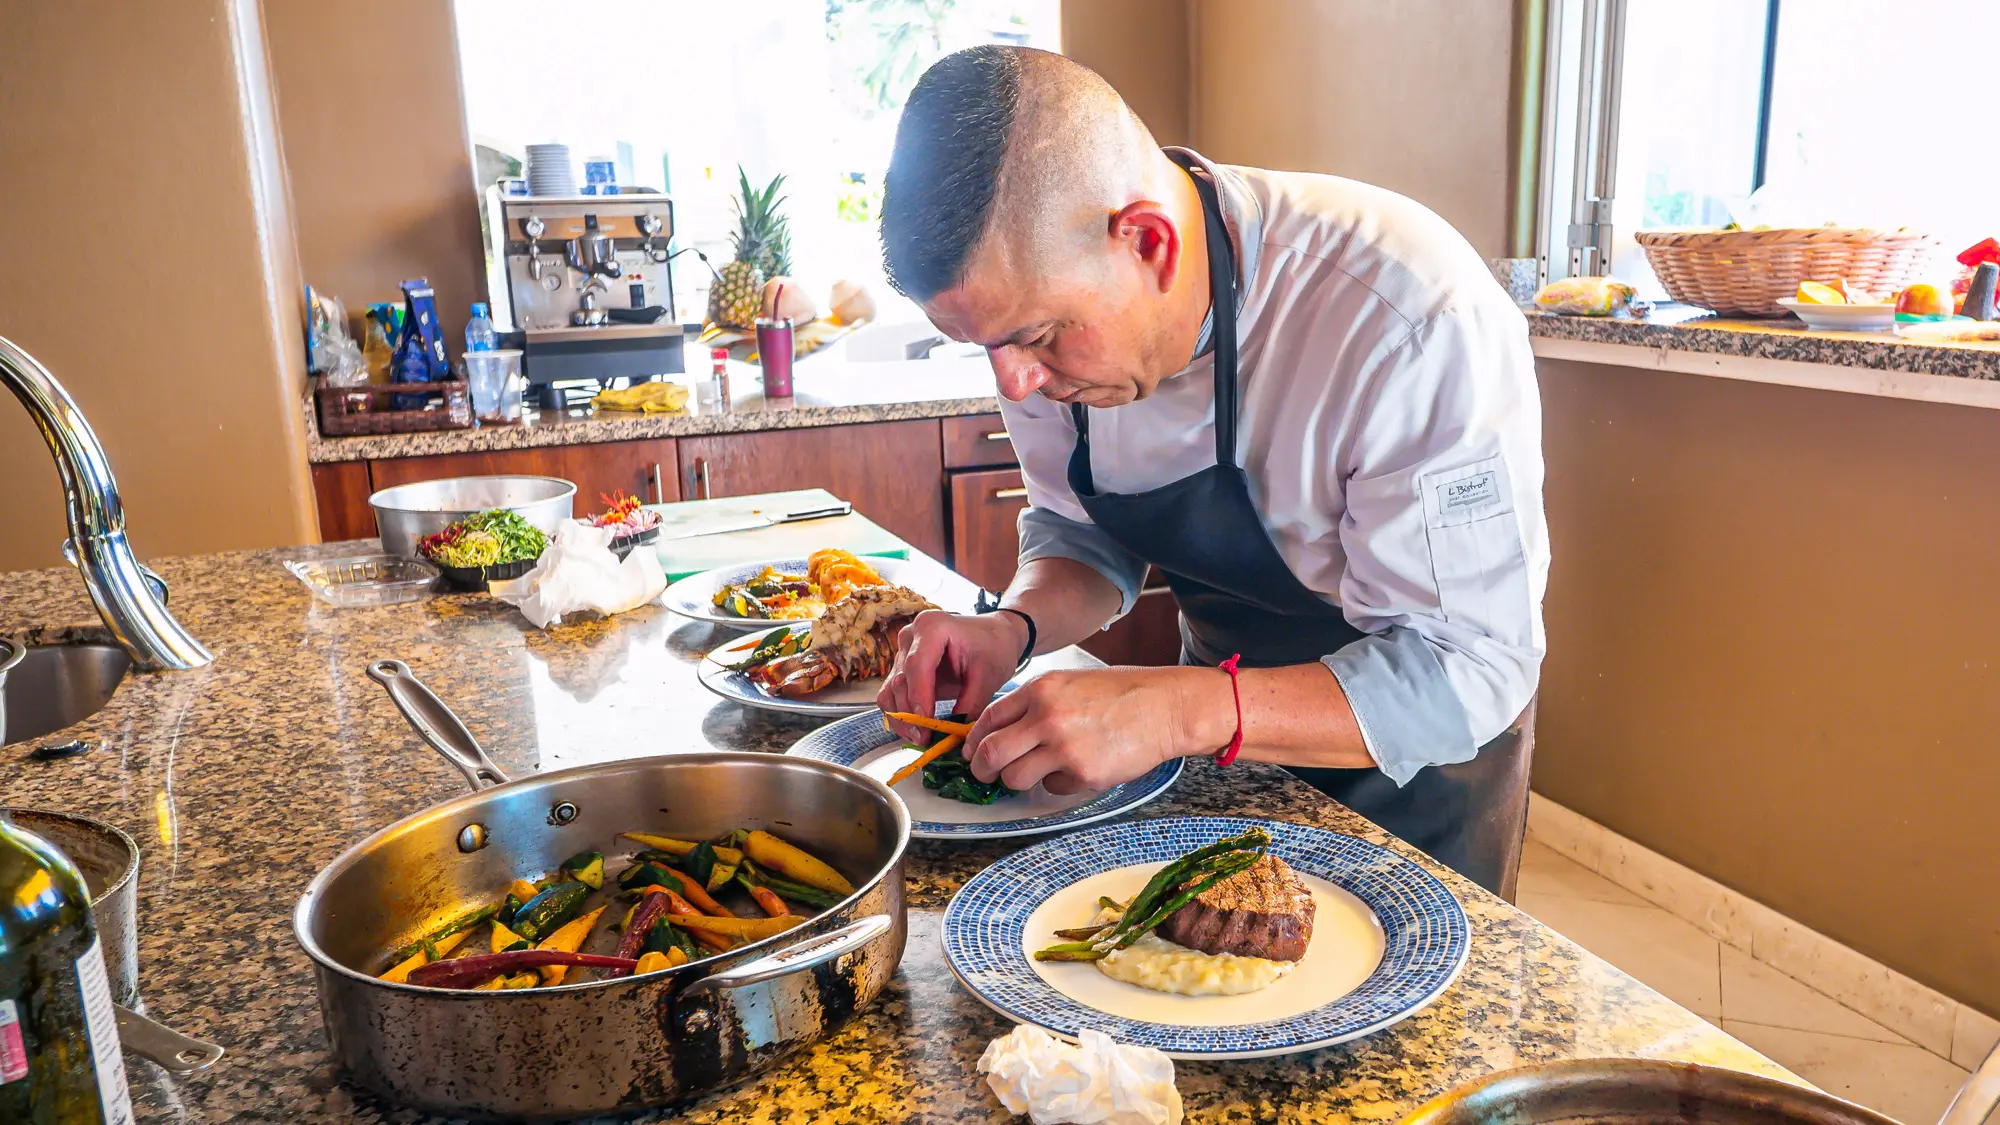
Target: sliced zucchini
<point>586,868</point>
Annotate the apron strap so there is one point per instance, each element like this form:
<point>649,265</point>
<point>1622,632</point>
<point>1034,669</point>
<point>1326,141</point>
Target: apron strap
<point>1222,302</point>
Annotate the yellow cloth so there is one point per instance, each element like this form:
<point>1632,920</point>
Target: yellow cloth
<point>647,398</point>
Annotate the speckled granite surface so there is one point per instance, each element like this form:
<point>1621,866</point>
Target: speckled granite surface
<point>825,395</point>
<point>1680,328</point>
<point>241,779</point>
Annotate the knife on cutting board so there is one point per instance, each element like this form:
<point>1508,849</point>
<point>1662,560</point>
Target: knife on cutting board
<point>758,521</point>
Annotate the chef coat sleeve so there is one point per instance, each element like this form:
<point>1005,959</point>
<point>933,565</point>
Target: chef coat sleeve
<point>1446,542</point>
<point>1054,525</point>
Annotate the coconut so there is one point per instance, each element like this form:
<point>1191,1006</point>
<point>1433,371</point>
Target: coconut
<point>851,302</point>
<point>793,302</point>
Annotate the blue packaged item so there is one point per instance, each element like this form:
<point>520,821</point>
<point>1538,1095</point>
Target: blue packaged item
<point>420,354</point>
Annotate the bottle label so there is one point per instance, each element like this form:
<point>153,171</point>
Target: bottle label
<point>103,1024</point>
<point>13,1052</point>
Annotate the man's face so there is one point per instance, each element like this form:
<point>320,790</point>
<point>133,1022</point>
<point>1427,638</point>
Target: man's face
<point>1087,333</point>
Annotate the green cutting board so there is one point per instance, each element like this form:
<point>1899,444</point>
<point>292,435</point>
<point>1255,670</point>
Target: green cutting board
<point>682,557</point>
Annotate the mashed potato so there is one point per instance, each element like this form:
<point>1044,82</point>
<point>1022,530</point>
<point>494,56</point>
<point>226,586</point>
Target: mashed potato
<point>1156,963</point>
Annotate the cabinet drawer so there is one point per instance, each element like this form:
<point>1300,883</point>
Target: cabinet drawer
<point>985,537</point>
<point>977,441</point>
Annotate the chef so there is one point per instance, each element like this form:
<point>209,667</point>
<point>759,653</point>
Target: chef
<point>1301,398</point>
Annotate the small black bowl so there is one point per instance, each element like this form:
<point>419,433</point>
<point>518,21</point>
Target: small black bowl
<point>476,577</point>
<point>623,545</point>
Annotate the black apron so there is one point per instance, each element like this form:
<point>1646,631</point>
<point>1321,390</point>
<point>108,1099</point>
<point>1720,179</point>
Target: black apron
<point>1237,595</point>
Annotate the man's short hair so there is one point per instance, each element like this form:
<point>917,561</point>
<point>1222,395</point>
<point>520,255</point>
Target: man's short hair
<point>945,169</point>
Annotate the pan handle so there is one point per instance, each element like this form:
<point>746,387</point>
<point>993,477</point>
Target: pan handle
<point>158,1043</point>
<point>794,958</point>
<point>436,723</point>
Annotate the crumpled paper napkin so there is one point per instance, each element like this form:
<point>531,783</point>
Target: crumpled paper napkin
<point>1097,1082</point>
<point>578,573</point>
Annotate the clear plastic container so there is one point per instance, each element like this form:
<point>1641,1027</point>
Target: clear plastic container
<point>365,579</point>
<point>496,383</point>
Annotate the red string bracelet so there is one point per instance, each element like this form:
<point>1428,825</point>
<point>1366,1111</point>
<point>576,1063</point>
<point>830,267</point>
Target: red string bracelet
<point>1228,753</point>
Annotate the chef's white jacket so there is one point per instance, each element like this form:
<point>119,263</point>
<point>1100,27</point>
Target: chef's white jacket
<point>1390,428</point>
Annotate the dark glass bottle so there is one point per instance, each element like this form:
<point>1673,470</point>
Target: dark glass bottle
<point>59,1057</point>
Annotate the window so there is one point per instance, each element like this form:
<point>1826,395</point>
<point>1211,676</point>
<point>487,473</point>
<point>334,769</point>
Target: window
<point>1664,113</point>
<point>679,93</point>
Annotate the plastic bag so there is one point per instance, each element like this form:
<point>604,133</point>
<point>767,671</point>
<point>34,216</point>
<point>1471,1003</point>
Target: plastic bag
<point>579,574</point>
<point>330,351</point>
<point>1584,296</point>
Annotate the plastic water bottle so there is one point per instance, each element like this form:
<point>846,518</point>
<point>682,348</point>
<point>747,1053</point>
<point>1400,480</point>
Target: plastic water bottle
<point>479,334</point>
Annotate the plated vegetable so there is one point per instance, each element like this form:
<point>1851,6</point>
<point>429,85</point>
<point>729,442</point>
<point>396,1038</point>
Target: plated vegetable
<point>540,931</point>
<point>774,595</point>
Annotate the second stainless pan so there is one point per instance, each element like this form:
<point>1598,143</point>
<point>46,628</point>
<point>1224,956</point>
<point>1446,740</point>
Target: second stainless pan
<point>600,1045</point>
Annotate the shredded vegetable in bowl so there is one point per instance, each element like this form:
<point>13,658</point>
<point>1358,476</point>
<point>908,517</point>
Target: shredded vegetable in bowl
<point>490,538</point>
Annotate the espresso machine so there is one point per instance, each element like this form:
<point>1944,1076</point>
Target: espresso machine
<point>587,289</point>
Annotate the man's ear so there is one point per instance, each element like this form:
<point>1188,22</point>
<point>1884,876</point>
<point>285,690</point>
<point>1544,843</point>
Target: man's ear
<point>1145,231</point>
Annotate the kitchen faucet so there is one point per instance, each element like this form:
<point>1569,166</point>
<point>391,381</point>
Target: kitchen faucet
<point>131,599</point>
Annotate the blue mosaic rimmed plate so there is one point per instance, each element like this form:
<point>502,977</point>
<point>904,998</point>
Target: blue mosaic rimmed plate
<point>1000,913</point>
<point>863,743</point>
<point>694,596</point>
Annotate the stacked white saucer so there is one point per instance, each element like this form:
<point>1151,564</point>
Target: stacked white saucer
<point>550,170</point>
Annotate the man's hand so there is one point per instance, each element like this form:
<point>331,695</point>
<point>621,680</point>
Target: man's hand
<point>944,655</point>
<point>1091,729</point>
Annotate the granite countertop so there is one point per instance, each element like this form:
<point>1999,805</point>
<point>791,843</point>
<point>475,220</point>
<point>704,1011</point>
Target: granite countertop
<point>242,779</point>
<point>827,392</point>
<point>1684,328</point>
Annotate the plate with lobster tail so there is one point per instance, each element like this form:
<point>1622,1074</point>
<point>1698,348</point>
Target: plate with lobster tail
<point>794,682</point>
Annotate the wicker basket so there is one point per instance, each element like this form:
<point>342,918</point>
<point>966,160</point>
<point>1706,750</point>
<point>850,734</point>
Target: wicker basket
<point>369,409</point>
<point>1745,272</point>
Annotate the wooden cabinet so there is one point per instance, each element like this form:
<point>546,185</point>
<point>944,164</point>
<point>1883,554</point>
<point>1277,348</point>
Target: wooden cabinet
<point>646,469</point>
<point>892,472</point>
<point>985,537</point>
<point>341,489</point>
<point>1150,634</point>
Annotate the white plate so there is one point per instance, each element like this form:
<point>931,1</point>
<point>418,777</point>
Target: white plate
<point>1388,939</point>
<point>832,702</point>
<point>862,743</point>
<point>1844,318</point>
<point>694,596</point>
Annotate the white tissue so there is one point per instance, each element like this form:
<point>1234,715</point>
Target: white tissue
<point>1096,1082</point>
<point>578,572</point>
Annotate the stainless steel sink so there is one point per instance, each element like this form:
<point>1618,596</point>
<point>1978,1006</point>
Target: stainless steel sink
<point>56,685</point>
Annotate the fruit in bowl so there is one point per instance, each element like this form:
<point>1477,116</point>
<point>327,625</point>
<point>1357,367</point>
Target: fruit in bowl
<point>1924,299</point>
<point>1837,292</point>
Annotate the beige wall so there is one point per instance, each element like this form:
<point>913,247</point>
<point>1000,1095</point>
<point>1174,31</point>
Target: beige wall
<point>152,272</point>
<point>1141,48</point>
<point>1411,96</point>
<point>1771,627</point>
<point>381,170</point>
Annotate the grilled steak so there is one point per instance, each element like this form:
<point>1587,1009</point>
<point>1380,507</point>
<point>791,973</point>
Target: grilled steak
<point>1263,911</point>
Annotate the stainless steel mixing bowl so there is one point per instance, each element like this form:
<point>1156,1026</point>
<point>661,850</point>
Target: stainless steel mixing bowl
<point>408,512</point>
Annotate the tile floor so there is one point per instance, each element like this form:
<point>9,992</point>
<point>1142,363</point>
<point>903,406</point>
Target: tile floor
<point>1836,1049</point>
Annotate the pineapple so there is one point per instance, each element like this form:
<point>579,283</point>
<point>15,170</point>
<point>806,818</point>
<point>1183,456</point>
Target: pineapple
<point>763,245</point>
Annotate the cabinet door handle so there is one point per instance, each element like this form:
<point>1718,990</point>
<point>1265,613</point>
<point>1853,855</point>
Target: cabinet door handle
<point>997,435</point>
<point>1010,493</point>
<point>659,484</point>
<point>701,477</point>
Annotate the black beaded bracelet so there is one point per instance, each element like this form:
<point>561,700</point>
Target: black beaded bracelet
<point>987,603</point>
